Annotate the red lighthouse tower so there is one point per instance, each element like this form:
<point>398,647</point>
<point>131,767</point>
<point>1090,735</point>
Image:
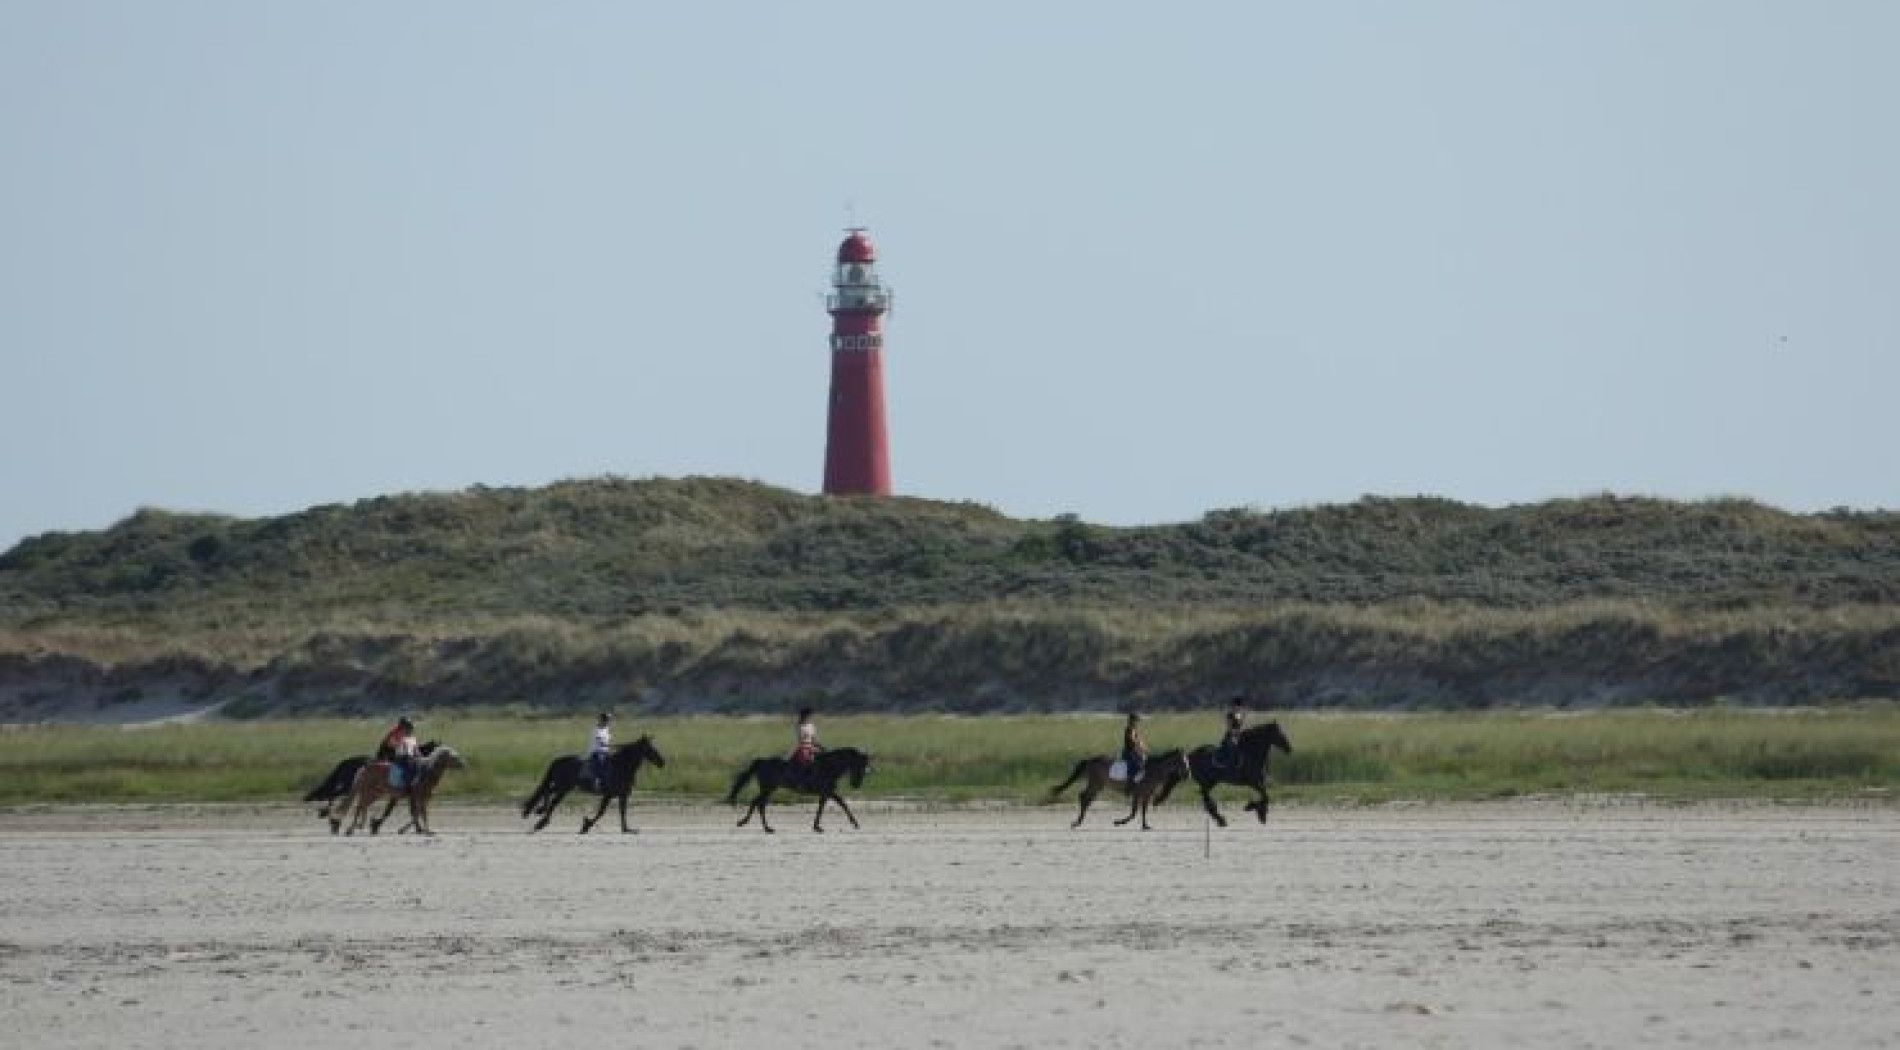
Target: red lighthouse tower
<point>857,458</point>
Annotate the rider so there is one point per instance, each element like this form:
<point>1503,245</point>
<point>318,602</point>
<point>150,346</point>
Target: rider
<point>1134,748</point>
<point>1229,750</point>
<point>806,747</point>
<point>399,748</point>
<point>599,747</point>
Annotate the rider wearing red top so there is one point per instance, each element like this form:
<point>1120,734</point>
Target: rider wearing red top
<point>399,747</point>
<point>392,742</point>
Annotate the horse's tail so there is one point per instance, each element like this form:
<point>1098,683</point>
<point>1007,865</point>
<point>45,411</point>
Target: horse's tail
<point>1075,774</point>
<point>333,785</point>
<point>732,797</point>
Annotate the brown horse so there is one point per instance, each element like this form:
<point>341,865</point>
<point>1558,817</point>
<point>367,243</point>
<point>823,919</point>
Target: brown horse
<point>337,785</point>
<point>1161,768</point>
<point>373,783</point>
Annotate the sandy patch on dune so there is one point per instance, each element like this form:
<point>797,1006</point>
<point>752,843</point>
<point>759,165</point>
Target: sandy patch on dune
<point>1456,926</point>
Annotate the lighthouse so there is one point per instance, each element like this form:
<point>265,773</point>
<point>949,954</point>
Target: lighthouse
<point>857,458</point>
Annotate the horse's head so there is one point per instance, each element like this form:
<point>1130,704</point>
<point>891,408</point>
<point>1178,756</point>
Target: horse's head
<point>1276,737</point>
<point>428,748</point>
<point>445,758</point>
<point>859,764</point>
<point>647,751</point>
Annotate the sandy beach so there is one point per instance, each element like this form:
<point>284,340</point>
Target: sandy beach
<point>1554,924</point>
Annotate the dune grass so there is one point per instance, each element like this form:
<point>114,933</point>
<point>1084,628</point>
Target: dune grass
<point>1813,753</point>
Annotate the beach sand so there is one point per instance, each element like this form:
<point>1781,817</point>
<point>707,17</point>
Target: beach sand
<point>1550,924</point>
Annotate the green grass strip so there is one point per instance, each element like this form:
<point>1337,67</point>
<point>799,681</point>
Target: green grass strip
<point>1810,753</point>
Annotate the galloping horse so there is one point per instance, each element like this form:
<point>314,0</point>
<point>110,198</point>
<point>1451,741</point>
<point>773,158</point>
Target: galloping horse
<point>819,778</point>
<point>1167,766</point>
<point>373,782</point>
<point>337,784</point>
<point>564,775</point>
<point>1249,769</point>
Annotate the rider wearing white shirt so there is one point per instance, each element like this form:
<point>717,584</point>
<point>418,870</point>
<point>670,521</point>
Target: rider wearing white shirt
<point>806,746</point>
<point>600,747</point>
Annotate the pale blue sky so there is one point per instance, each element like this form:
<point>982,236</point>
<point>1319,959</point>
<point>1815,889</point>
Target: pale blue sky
<point>1150,259</point>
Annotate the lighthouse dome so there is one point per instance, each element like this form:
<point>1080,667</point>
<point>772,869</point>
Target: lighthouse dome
<point>856,249</point>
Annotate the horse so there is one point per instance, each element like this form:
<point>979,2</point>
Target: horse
<point>819,778</point>
<point>337,785</point>
<point>1097,768</point>
<point>372,782</point>
<point>1249,769</point>
<point>564,775</point>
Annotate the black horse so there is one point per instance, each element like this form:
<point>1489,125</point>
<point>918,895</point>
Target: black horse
<point>570,771</point>
<point>1247,768</point>
<point>819,778</point>
<point>337,785</point>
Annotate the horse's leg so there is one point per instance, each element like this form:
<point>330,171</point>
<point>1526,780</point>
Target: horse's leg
<point>589,822</point>
<point>358,810</point>
<point>340,809</point>
<point>1138,805</point>
<point>764,799</point>
<point>1207,800</point>
<point>540,792</point>
<point>376,825</point>
<point>839,799</point>
<point>1259,806</point>
<point>1087,796</point>
<point>1135,802</point>
<point>823,797</point>
<point>547,810</point>
<point>624,828</point>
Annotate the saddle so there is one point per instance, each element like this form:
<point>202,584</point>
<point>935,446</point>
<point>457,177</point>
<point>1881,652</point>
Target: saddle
<point>587,781</point>
<point>1119,772</point>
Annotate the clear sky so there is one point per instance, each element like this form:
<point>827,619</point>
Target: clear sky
<point>1151,259</point>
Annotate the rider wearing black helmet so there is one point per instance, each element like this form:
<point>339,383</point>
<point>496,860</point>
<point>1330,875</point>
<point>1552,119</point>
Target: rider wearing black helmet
<point>1229,750</point>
